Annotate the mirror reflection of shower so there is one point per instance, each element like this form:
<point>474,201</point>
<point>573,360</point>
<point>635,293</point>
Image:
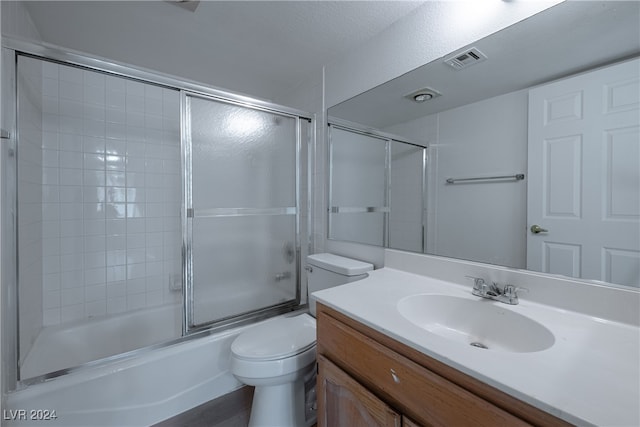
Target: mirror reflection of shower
<point>377,191</point>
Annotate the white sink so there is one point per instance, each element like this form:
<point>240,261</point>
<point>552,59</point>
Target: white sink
<point>481,324</point>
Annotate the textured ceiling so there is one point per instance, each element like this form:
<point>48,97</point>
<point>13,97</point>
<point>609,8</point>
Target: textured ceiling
<point>263,48</point>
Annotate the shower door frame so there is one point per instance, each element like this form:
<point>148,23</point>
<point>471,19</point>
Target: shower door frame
<point>189,325</point>
<point>11,49</point>
<point>9,224</point>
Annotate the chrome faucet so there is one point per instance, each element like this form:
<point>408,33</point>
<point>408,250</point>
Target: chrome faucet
<point>508,294</point>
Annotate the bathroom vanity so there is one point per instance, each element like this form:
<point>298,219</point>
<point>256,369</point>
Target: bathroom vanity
<point>356,364</point>
<point>383,361</point>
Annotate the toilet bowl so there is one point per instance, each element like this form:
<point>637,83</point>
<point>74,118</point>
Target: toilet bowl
<point>278,356</point>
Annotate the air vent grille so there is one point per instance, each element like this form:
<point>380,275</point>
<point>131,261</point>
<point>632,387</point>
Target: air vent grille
<point>465,59</point>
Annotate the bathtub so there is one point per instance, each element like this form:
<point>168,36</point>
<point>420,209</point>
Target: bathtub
<point>138,391</point>
<point>74,344</point>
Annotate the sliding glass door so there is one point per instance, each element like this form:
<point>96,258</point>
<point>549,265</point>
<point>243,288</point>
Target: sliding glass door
<point>242,210</point>
<point>359,195</point>
<point>376,189</point>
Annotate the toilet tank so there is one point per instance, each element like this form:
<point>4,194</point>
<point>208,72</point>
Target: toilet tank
<point>329,270</point>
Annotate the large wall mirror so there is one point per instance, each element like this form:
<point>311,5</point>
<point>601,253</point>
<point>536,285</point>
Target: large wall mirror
<point>521,149</point>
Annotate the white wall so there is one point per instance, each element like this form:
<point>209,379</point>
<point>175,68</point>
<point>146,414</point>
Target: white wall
<point>493,213</point>
<point>17,22</point>
<point>463,143</point>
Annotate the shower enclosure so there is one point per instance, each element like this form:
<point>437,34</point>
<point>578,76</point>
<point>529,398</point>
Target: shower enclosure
<point>142,210</point>
<point>377,188</point>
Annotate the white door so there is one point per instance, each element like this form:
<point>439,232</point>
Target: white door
<point>584,175</point>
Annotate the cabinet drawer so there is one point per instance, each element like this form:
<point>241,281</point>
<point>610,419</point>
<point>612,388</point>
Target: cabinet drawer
<point>421,394</point>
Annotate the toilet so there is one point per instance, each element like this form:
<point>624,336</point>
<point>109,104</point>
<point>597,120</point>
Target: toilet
<point>278,356</point>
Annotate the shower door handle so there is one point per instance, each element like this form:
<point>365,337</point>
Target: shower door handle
<point>5,134</point>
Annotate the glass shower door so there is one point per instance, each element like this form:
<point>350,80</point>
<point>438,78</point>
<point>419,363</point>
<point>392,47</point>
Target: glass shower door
<point>98,188</point>
<point>406,197</point>
<point>242,228</point>
<point>359,187</point>
<point>377,189</point>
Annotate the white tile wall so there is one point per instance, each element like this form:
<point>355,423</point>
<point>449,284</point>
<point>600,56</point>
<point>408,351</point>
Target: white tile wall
<point>111,194</point>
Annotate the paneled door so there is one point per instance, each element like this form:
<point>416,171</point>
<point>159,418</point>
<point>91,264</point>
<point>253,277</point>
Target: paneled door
<point>584,176</point>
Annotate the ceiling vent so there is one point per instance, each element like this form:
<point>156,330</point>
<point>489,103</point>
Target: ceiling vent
<point>465,59</point>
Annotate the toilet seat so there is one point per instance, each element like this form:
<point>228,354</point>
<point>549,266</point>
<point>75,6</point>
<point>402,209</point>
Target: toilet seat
<point>255,372</point>
<point>277,339</point>
<point>277,348</point>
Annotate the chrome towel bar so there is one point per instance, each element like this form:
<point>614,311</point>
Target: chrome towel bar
<point>364,209</point>
<point>516,177</point>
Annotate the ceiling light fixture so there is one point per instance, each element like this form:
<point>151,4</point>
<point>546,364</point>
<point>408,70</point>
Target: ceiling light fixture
<point>422,95</point>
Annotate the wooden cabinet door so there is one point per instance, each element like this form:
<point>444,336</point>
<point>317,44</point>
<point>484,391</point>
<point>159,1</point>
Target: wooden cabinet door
<point>426,397</point>
<point>343,402</point>
<point>407,422</point>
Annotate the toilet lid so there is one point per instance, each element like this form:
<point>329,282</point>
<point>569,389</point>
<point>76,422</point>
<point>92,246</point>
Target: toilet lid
<point>276,339</point>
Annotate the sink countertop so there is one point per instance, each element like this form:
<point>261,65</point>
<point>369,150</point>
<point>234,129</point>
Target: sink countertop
<point>589,376</point>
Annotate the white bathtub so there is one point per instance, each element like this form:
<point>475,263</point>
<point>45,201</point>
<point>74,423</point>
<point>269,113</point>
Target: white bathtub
<point>139,391</point>
<point>69,345</point>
